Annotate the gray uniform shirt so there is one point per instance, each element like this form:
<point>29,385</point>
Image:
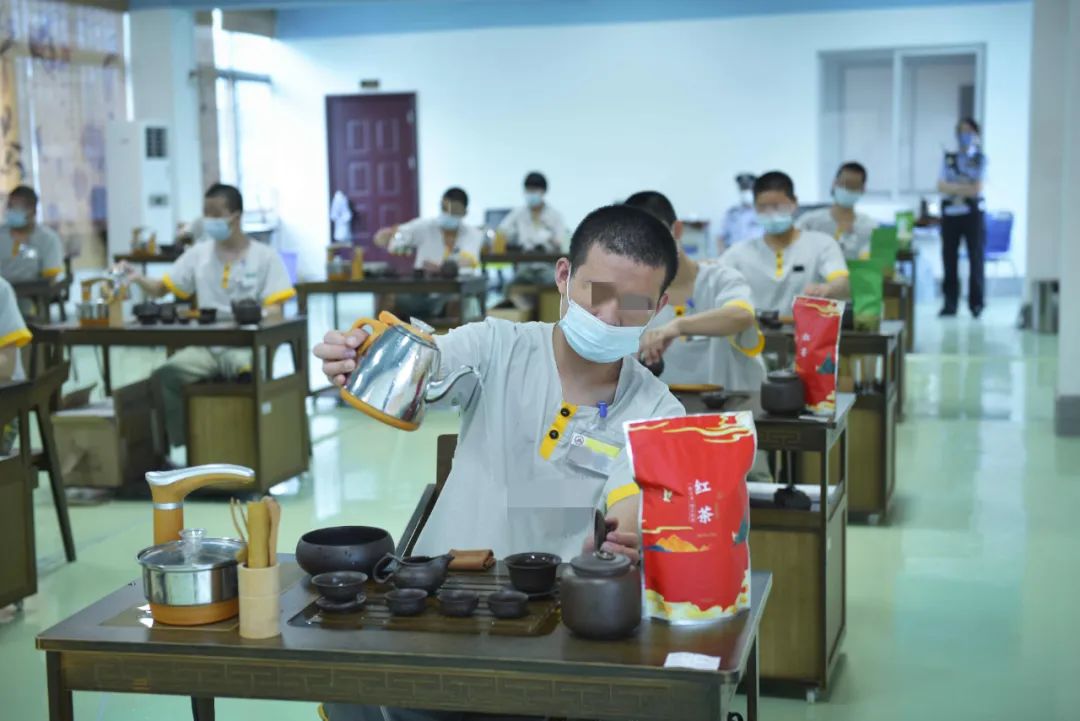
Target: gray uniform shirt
<point>41,256</point>
<point>775,278</point>
<point>530,468</point>
<point>855,244</point>
<point>734,362</point>
<point>13,329</point>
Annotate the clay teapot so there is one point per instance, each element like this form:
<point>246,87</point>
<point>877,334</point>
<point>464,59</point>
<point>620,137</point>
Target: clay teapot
<point>424,572</point>
<point>601,592</point>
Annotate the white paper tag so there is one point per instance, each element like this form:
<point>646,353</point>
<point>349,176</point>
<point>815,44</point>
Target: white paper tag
<point>695,661</point>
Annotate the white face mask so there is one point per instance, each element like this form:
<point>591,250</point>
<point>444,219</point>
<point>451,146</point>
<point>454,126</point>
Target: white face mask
<point>216,228</point>
<point>593,339</point>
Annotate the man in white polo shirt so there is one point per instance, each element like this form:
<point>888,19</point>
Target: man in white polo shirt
<point>229,267</point>
<point>542,446</point>
<point>786,262</point>
<point>707,333</point>
<point>850,228</point>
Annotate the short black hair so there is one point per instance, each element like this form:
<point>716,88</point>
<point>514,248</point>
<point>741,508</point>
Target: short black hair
<point>774,180</point>
<point>234,201</point>
<point>24,192</point>
<point>970,121</point>
<point>630,232</point>
<point>536,180</point>
<point>656,204</point>
<point>456,195</point>
<point>853,167</point>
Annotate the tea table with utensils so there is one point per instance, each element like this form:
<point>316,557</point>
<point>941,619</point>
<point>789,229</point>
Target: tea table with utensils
<point>876,412</point>
<point>518,257</point>
<point>112,646</point>
<point>462,288</point>
<point>804,549</point>
<point>277,441</point>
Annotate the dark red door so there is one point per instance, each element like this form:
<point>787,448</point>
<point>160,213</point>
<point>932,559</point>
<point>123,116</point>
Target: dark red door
<point>371,141</point>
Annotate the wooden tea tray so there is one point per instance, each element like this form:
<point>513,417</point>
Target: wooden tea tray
<point>541,620</point>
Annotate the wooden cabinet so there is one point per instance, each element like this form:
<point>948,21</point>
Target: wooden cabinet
<point>18,572</point>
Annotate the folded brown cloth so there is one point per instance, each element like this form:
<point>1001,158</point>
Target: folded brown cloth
<point>480,560</point>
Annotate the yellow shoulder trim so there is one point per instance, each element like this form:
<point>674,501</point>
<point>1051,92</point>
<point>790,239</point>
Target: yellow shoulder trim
<point>467,258</point>
<point>17,338</point>
<point>51,272</point>
<point>557,429</point>
<point>622,493</point>
<point>173,289</point>
<point>842,273</point>
<point>280,297</point>
<point>740,303</point>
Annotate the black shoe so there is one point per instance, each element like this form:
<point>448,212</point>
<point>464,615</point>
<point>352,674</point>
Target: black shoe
<point>976,311</point>
<point>947,313</point>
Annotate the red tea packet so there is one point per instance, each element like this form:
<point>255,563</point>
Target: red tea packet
<point>817,344</point>
<point>695,513</point>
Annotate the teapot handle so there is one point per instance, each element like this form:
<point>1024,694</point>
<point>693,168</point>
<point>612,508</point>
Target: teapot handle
<point>377,329</point>
<point>380,572</point>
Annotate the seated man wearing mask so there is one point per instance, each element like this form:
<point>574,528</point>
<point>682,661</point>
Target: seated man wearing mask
<point>707,333</point>
<point>851,230</point>
<point>541,446</point>
<point>230,268</point>
<point>740,221</point>
<point>28,250</point>
<point>786,262</point>
<point>536,227</point>
<point>435,241</point>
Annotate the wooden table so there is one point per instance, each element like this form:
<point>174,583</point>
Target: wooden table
<point>105,648</point>
<point>899,304</point>
<point>519,257</point>
<point>42,294</point>
<point>18,574</point>
<point>145,259</point>
<point>266,403</point>
<point>873,425</point>
<point>462,287</point>
<point>805,550</point>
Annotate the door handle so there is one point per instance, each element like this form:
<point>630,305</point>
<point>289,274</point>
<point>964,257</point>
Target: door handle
<point>412,162</point>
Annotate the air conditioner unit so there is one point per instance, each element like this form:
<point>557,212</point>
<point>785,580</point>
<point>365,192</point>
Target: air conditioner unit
<point>138,179</point>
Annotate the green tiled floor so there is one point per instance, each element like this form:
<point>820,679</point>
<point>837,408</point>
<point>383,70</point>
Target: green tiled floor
<point>964,607</point>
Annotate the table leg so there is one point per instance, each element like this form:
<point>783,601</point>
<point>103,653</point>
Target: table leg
<point>107,369</point>
<point>202,709</point>
<point>301,302</point>
<point>334,305</point>
<point>752,679</point>
<point>48,442</point>
<point>60,708</point>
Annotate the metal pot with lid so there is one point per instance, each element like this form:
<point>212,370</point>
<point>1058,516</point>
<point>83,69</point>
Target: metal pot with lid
<point>601,592</point>
<point>191,581</point>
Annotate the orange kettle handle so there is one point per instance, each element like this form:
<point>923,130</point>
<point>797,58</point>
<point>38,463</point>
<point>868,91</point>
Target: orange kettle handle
<point>378,327</point>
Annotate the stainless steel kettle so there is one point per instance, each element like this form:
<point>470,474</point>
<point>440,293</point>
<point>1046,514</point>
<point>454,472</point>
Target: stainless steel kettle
<point>395,373</point>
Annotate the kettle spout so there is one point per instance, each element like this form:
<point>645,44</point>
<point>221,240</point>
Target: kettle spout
<point>436,391</point>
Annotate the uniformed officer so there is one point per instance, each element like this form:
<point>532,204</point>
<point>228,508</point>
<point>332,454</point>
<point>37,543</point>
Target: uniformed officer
<point>228,268</point>
<point>960,182</point>
<point>740,221</point>
<point>851,229</point>
<point>707,332</point>
<point>785,261</point>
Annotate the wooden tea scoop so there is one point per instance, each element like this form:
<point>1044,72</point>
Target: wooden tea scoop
<point>274,509</point>
<point>237,509</point>
<point>258,535</point>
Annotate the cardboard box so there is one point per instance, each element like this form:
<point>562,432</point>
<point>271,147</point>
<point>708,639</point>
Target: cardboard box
<point>108,443</point>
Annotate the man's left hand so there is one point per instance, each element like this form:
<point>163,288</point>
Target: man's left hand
<point>818,290</point>
<point>656,342</point>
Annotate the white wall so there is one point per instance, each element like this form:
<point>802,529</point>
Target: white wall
<point>605,110</point>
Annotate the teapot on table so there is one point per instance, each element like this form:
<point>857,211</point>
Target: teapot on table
<point>424,572</point>
<point>395,369</point>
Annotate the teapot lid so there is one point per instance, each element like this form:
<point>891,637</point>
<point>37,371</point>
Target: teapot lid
<point>601,563</point>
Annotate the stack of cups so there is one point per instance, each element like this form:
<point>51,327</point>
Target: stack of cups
<point>259,605</point>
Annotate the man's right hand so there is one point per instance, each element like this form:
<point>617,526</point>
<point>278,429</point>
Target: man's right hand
<point>338,353</point>
<point>130,272</point>
<point>383,236</point>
